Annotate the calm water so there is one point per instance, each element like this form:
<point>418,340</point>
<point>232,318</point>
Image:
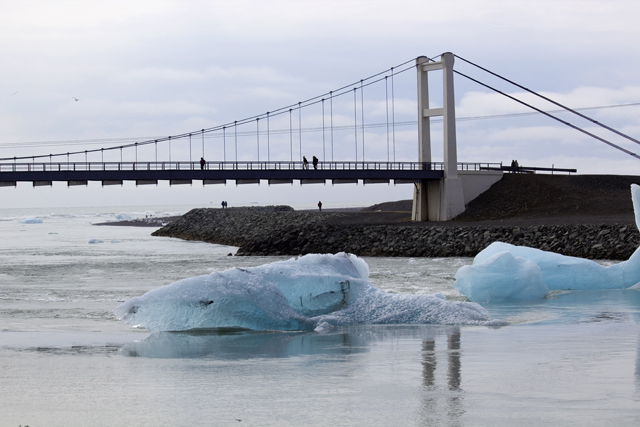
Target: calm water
<point>572,359</point>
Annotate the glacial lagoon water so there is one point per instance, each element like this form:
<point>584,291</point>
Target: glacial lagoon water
<point>572,358</point>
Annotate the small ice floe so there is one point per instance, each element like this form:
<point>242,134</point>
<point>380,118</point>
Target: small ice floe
<point>31,220</point>
<point>52,233</point>
<point>323,327</point>
<point>116,241</point>
<point>123,216</point>
<point>95,241</point>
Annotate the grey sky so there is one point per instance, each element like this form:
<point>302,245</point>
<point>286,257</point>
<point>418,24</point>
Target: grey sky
<point>145,69</point>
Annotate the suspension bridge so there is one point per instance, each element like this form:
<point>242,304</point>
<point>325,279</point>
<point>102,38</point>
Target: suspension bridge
<point>441,189</point>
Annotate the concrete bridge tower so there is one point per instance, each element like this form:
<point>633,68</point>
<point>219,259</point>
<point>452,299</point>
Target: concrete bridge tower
<point>441,200</point>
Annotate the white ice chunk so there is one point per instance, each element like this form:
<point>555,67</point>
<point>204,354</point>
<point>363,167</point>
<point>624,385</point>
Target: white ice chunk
<point>635,199</point>
<point>322,327</point>
<point>501,277</point>
<point>375,306</point>
<point>31,220</point>
<point>314,290</point>
<point>123,216</point>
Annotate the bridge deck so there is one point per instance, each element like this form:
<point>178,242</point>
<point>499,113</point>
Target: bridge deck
<point>138,171</point>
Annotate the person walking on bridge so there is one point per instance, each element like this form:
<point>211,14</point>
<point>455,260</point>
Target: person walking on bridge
<point>202,163</point>
<point>305,163</point>
<point>315,162</point>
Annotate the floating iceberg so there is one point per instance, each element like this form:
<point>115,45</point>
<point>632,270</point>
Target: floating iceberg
<point>502,277</point>
<point>525,272</point>
<point>31,220</point>
<point>313,291</point>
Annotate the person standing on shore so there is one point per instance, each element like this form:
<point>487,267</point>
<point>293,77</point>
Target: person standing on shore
<point>320,206</point>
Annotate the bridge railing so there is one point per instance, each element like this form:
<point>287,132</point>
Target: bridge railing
<point>477,166</point>
<point>240,165</point>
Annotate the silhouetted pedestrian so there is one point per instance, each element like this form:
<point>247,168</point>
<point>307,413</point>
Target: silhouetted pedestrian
<point>315,162</point>
<point>202,163</point>
<point>320,206</point>
<point>305,163</point>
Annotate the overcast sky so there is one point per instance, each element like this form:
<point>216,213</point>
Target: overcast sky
<point>143,69</point>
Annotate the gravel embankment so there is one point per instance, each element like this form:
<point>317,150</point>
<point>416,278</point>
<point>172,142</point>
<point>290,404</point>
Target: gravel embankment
<point>609,241</point>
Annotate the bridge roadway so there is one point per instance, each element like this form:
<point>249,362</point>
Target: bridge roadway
<point>113,173</point>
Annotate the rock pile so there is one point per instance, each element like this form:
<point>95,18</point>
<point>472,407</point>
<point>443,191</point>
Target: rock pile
<point>586,241</point>
<point>269,231</point>
<point>237,226</point>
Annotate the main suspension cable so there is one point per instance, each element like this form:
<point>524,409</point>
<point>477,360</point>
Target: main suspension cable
<point>552,101</point>
<point>551,116</point>
<point>302,104</point>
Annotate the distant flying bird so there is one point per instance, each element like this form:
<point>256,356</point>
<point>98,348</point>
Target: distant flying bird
<point>14,93</point>
<point>75,98</point>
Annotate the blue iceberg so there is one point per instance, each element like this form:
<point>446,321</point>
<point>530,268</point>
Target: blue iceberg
<point>501,277</point>
<point>30,220</point>
<point>504,272</point>
<point>311,292</point>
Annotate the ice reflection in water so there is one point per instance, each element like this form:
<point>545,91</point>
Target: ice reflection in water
<point>242,345</point>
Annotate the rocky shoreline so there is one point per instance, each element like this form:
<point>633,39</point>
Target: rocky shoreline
<point>278,230</point>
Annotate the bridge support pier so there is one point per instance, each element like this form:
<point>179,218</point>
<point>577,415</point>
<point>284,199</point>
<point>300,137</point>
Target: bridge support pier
<point>438,200</point>
<point>443,199</point>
